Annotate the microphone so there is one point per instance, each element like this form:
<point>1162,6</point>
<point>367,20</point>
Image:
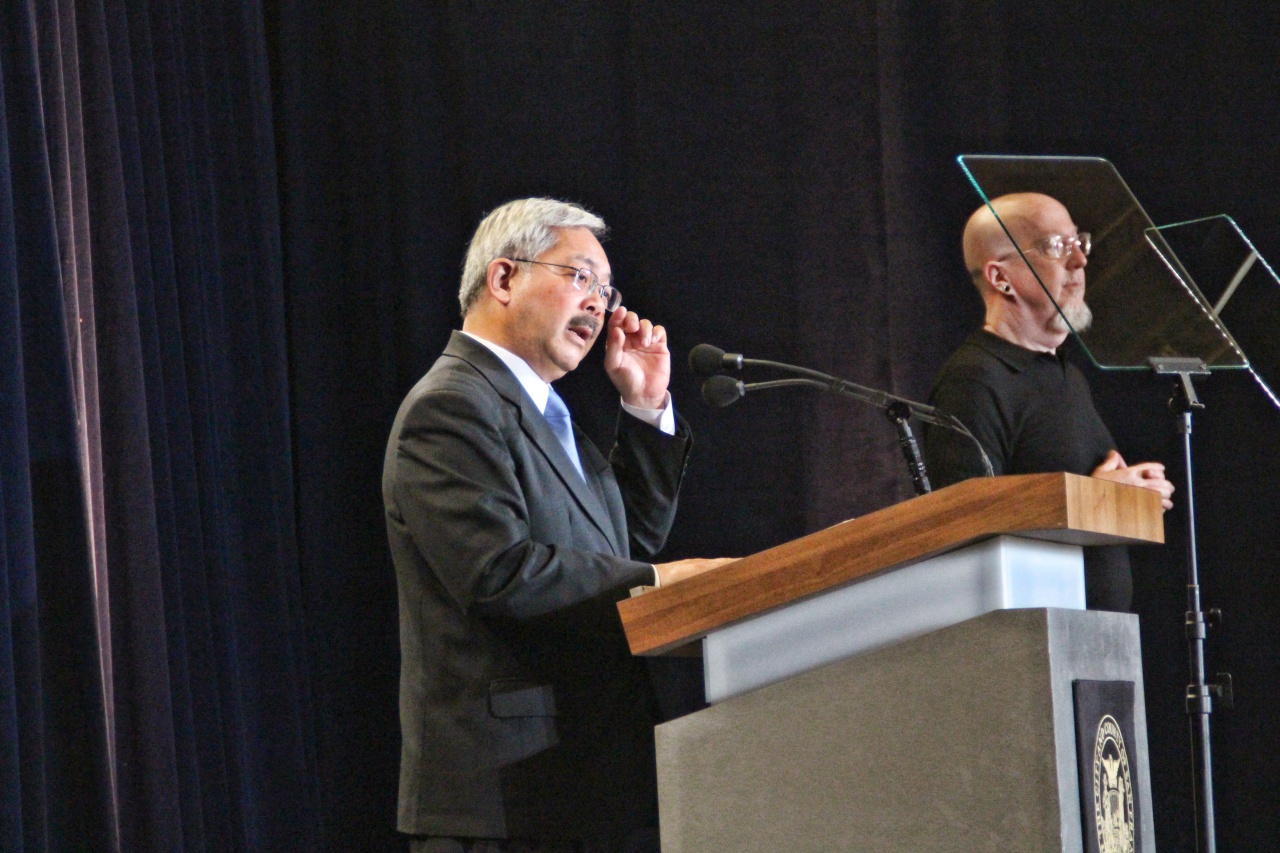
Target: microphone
<point>721,391</point>
<point>704,360</point>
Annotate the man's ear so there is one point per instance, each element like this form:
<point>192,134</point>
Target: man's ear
<point>498,277</point>
<point>993,272</point>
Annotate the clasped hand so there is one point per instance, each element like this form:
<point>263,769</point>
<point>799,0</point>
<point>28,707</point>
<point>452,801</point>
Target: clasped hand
<point>1148,475</point>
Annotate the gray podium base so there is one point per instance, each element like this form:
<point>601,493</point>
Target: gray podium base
<point>962,739</point>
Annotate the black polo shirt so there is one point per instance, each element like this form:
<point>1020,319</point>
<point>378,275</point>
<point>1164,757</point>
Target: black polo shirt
<point>1033,413</point>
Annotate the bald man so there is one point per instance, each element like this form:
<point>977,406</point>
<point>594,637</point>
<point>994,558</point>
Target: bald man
<point>1011,386</point>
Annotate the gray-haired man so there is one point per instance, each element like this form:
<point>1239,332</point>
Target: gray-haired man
<point>523,714</point>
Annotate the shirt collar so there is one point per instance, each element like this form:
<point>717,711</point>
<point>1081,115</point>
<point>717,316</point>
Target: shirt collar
<point>1015,357</point>
<point>531,382</point>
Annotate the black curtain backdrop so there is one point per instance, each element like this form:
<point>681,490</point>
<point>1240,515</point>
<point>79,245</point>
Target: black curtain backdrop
<point>230,241</point>
<point>780,179</point>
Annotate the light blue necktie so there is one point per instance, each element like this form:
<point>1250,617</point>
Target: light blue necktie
<point>557,414</point>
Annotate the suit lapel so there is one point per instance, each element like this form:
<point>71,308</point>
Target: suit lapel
<point>538,431</point>
<point>599,472</point>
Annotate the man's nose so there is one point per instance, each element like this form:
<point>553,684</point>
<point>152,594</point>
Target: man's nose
<point>1076,258</point>
<point>593,302</point>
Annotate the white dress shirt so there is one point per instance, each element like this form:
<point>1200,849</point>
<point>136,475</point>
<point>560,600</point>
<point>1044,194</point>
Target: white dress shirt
<point>538,391</point>
<point>533,385</point>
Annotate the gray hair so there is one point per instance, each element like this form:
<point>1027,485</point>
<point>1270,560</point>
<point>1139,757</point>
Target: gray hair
<point>521,229</point>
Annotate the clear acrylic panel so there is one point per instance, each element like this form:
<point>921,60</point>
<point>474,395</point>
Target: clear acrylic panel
<point>1144,302</point>
<point>1241,288</point>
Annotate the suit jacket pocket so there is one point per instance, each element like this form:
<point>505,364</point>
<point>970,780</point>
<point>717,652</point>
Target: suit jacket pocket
<point>517,697</point>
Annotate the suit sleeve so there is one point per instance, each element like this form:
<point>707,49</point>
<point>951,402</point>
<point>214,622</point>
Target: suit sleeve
<point>649,465</point>
<point>457,493</point>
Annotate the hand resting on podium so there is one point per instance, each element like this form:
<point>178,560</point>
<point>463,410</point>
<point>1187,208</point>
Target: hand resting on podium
<point>678,570</point>
<point>1146,475</point>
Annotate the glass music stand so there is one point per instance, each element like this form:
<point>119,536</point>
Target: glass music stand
<point>1165,299</point>
<point>1241,288</point>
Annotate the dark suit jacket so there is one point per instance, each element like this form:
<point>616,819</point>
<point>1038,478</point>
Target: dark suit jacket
<point>508,566</point>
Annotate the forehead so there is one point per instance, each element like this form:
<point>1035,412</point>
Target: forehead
<point>579,247</point>
<point>1047,217</point>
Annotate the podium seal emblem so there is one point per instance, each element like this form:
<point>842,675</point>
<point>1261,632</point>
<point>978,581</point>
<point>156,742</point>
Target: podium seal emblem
<point>1112,789</point>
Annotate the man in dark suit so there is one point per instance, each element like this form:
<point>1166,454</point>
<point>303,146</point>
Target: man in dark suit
<point>526,723</point>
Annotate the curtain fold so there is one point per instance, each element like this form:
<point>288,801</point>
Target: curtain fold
<point>56,790</point>
<point>155,697</point>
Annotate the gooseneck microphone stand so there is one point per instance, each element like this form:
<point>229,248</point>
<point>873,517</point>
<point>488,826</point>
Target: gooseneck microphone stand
<point>1200,693</point>
<point>720,391</point>
<point>899,413</point>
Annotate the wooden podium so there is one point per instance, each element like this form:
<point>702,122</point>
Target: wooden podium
<point>901,681</point>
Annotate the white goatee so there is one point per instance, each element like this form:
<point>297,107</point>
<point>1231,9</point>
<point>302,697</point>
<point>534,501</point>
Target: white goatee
<point>1077,314</point>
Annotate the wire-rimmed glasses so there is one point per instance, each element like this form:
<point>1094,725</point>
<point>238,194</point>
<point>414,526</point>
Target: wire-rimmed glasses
<point>585,279</point>
<point>1058,246</point>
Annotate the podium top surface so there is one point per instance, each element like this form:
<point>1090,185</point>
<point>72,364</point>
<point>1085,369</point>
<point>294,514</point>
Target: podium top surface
<point>1054,507</point>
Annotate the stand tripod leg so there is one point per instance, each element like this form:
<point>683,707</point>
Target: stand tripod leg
<point>1199,698</point>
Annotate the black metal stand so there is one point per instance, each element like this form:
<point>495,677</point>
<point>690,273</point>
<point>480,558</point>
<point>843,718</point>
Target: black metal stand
<point>1200,693</point>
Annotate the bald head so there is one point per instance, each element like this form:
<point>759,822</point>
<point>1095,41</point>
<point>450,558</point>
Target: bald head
<point>1022,213</point>
<point>1035,302</point>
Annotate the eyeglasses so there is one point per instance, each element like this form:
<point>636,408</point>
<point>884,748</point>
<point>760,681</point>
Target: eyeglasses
<point>585,279</point>
<point>1057,246</point>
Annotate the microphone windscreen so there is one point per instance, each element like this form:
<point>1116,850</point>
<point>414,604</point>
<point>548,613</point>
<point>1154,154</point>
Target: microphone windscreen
<point>704,359</point>
<point>721,391</point>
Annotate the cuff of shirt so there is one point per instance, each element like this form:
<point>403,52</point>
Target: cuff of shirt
<point>664,418</point>
<point>657,578</point>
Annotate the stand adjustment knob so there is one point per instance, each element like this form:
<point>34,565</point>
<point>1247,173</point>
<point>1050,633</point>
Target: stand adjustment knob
<point>1224,690</point>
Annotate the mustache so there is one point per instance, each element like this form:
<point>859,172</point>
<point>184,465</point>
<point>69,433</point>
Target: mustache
<point>585,321</point>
